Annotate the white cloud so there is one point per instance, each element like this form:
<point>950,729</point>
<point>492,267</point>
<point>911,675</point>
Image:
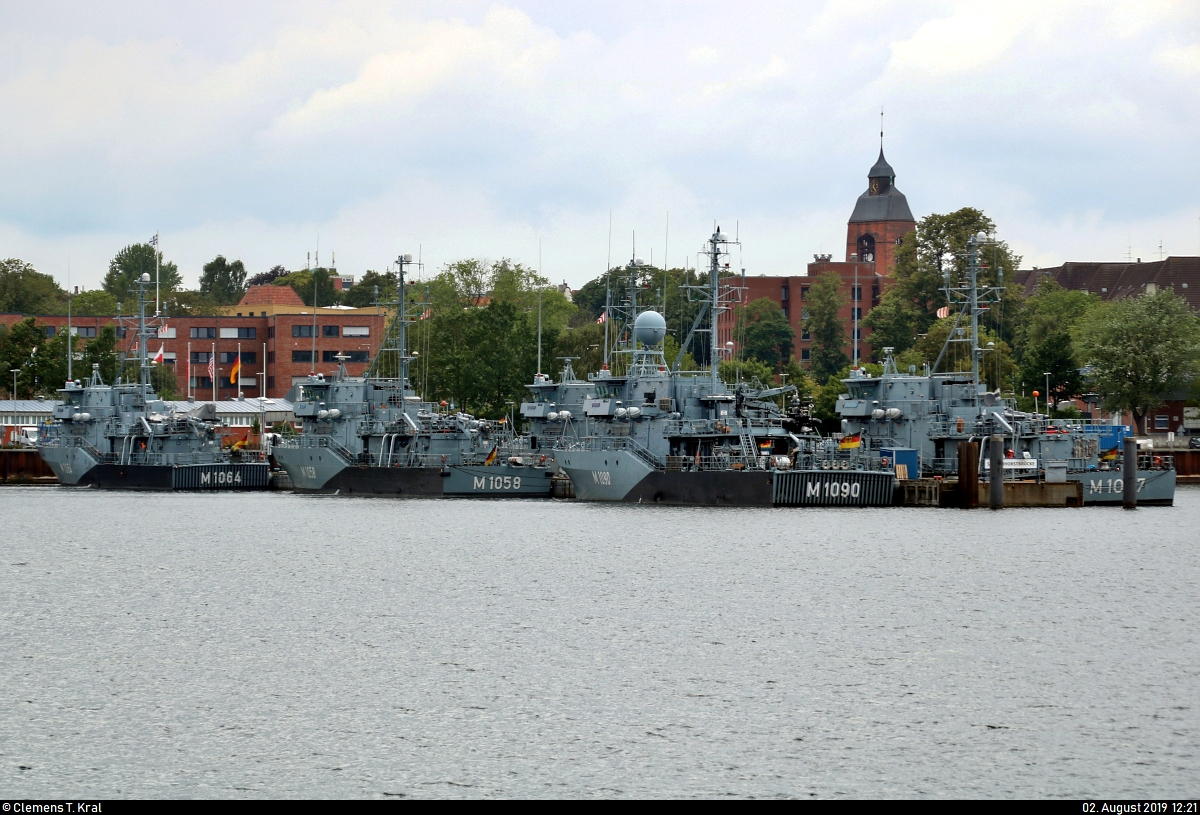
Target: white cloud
<point>477,129</point>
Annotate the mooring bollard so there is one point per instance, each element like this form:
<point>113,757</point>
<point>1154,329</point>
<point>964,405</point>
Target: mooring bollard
<point>996,485</point>
<point>1129,474</point>
<point>968,474</point>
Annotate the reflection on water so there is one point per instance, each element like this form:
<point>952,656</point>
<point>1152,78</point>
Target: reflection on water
<point>280,645</point>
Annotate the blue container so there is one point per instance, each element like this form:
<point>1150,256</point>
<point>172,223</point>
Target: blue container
<point>1110,436</point>
<point>901,455</point>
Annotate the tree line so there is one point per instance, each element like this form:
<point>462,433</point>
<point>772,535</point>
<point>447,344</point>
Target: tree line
<point>476,342</point>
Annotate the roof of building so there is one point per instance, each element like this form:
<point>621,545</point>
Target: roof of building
<point>1116,281</point>
<point>889,205</point>
<point>270,294</point>
<point>882,169</point>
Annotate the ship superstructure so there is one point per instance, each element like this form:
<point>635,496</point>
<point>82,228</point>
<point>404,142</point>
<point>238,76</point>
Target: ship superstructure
<point>374,435</point>
<point>925,418</point>
<point>123,436</point>
<point>660,435</point>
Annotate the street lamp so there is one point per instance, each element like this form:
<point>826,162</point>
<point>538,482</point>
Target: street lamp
<point>14,372</point>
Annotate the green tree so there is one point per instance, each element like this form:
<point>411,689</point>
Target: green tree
<point>94,303</point>
<point>187,303</point>
<point>268,277</point>
<point>766,334</point>
<point>1139,350</point>
<point>131,263</point>
<point>24,290</point>
<point>372,284</point>
<point>586,343</point>
<point>302,283</point>
<point>825,327</point>
<point>1045,341</point>
<point>744,370</point>
<point>996,366</point>
<point>101,351</point>
<point>223,282</point>
<point>937,248</point>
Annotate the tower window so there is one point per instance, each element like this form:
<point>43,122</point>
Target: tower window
<point>866,248</point>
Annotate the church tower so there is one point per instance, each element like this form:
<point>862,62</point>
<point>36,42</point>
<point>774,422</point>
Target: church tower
<point>880,221</point>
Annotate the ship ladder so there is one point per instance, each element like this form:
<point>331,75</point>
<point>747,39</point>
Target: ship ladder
<point>748,451</point>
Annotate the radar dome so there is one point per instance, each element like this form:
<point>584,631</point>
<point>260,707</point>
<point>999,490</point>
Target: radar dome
<point>649,328</point>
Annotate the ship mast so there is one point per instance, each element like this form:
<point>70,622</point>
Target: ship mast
<point>396,340</point>
<point>971,299</point>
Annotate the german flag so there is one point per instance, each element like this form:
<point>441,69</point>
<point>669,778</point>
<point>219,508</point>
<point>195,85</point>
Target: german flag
<point>237,370</point>
<point>850,442</point>
<point>1109,455</point>
<point>491,457</point>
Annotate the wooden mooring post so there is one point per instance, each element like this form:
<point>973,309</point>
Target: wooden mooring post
<point>968,474</point>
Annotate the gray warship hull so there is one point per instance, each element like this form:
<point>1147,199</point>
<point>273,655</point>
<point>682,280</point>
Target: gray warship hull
<point>620,475</point>
<point>75,467</point>
<point>320,470</point>
<point>1100,488</point>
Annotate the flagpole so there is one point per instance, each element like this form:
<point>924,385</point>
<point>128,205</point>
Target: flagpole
<point>157,256</point>
<point>215,371</point>
<point>189,371</point>
<point>239,371</point>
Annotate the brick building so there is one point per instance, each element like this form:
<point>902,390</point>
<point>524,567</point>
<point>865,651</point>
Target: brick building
<point>879,223</point>
<point>278,336</point>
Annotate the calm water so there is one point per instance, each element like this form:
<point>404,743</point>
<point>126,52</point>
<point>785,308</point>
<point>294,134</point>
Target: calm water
<point>280,645</point>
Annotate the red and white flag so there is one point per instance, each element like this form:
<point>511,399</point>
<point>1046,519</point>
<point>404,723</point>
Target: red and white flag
<point>212,366</point>
<point>159,356</point>
<point>426,314</point>
<point>603,318</point>
<point>943,312</point>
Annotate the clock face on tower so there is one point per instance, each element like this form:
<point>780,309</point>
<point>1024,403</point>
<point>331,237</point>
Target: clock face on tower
<point>874,186</point>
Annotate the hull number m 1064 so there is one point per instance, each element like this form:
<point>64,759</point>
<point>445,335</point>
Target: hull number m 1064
<point>832,489</point>
<point>496,482</point>
<point>221,477</point>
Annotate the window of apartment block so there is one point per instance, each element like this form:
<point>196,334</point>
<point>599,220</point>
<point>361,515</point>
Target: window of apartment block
<point>805,354</point>
<point>239,333</point>
<point>203,333</point>
<point>804,292</point>
<point>87,331</point>
<point>231,356</point>
<point>856,293</point>
<point>270,379</point>
<point>49,330</point>
<point>356,331</point>
<point>784,293</point>
<point>167,332</point>
<point>804,335</point>
<point>302,331</point>
<point>201,382</point>
<point>200,356</point>
<point>329,331</point>
<point>357,356</point>
<point>271,357</point>
<point>302,356</point>
<point>856,313</point>
<point>1162,422</point>
<point>270,329</point>
<point>168,358</point>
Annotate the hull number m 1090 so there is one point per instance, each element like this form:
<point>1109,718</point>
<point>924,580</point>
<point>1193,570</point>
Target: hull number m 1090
<point>832,489</point>
<point>496,482</point>
<point>602,477</point>
<point>221,477</point>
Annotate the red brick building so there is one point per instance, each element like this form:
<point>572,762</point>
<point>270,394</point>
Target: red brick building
<point>879,223</point>
<point>276,333</point>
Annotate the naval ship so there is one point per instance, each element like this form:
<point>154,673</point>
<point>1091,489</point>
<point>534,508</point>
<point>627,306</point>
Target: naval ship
<point>925,418</point>
<point>374,435</point>
<point>654,434</point>
<point>122,436</point>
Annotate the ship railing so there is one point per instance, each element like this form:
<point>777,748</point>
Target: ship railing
<point>312,441</point>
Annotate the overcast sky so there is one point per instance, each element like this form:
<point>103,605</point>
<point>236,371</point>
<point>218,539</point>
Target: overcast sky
<point>476,129</point>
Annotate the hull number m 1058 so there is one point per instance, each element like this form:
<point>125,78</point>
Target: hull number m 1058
<point>832,489</point>
<point>496,482</point>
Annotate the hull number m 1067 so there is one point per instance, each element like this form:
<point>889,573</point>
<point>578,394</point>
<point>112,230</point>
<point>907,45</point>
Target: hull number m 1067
<point>496,482</point>
<point>832,489</point>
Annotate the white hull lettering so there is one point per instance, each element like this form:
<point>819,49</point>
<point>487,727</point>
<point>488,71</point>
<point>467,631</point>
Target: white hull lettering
<point>602,477</point>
